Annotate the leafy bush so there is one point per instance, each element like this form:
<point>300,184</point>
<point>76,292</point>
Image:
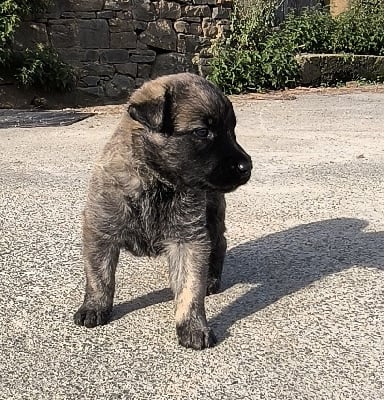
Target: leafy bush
<point>360,31</point>
<point>310,32</point>
<point>40,66</point>
<point>368,5</point>
<point>252,56</point>
<point>11,13</point>
<point>258,55</point>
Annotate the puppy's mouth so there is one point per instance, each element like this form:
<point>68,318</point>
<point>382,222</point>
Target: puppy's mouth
<point>230,187</point>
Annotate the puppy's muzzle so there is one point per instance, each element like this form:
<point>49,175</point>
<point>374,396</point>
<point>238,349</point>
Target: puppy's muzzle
<point>244,168</point>
<point>241,169</point>
<point>232,172</point>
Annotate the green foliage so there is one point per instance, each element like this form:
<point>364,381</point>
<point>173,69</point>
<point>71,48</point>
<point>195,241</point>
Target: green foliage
<point>257,55</point>
<point>360,31</point>
<point>11,13</point>
<point>371,6</point>
<point>311,31</point>
<point>40,66</point>
<point>252,56</point>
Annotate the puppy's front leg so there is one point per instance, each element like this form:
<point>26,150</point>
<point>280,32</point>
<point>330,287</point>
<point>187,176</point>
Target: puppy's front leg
<point>188,263</point>
<point>101,257</point>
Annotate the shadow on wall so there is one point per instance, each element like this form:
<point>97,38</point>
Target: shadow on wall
<point>282,263</point>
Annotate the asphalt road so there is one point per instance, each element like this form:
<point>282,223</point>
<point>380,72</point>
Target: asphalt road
<point>301,314</point>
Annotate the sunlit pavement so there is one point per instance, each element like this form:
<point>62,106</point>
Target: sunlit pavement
<point>301,313</point>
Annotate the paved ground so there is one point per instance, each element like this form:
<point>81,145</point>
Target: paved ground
<point>302,311</point>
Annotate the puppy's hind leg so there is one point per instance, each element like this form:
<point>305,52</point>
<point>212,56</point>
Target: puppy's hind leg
<point>216,229</point>
<point>188,264</point>
<point>101,257</point>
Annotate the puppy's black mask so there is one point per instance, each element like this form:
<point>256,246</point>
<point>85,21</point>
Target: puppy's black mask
<point>189,134</point>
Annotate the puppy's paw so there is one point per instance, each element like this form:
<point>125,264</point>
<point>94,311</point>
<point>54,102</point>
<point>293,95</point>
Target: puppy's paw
<point>213,285</point>
<point>91,316</point>
<point>195,338</point>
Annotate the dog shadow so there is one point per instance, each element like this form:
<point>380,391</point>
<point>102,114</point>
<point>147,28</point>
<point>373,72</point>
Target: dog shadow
<point>282,263</point>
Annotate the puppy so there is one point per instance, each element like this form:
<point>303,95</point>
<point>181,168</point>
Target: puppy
<point>158,189</point>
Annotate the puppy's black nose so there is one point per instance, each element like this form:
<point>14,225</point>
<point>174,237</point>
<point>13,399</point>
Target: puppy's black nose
<point>244,167</point>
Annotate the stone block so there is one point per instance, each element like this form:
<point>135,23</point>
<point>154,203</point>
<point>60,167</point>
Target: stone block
<point>114,56</point>
<point>96,91</point>
<point>83,5</point>
<point>29,34</point>
<point>54,10</point>
<point>124,14</point>
<point>142,56</point>
<point>226,3</point>
<point>144,71</point>
<point>127,69</point>
<point>191,19</point>
<point>169,63</point>
<point>91,55</point>
<point>85,15</point>
<point>196,11</point>
<point>97,69</point>
<point>141,45</point>
<point>94,34</point>
<point>64,33</point>
<point>202,2</point>
<point>168,9</point>
<point>140,26</point>
<point>112,5</point>
<point>181,26</point>
<point>221,13</point>
<point>72,55</point>
<point>123,40</point>
<point>195,29</point>
<point>105,14</point>
<point>144,10</point>
<point>160,34</point>
<point>90,80</point>
<point>121,25</point>
<point>139,82</point>
<point>209,28</point>
<point>191,43</point>
<point>118,5</point>
<point>119,86</point>
<point>68,14</point>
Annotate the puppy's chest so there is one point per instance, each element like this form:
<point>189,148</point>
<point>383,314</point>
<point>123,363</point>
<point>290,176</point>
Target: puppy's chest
<point>162,214</point>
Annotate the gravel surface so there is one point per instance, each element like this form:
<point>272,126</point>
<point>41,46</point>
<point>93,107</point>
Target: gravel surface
<point>301,314</point>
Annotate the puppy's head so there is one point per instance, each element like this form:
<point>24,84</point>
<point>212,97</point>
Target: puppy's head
<point>188,133</point>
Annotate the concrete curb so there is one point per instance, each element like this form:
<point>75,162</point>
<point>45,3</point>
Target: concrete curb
<point>332,68</point>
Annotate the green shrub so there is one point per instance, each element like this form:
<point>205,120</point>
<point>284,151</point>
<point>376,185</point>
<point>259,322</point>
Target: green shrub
<point>257,55</point>
<point>375,6</point>
<point>41,66</point>
<point>11,13</point>
<point>252,56</point>
<point>311,31</point>
<point>359,32</point>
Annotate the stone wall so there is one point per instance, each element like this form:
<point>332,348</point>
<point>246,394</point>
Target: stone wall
<point>337,6</point>
<point>333,68</point>
<point>118,44</point>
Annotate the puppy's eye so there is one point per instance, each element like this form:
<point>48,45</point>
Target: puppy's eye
<point>203,133</point>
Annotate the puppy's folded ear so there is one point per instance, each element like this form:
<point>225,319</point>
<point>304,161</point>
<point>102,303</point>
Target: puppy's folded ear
<point>151,105</point>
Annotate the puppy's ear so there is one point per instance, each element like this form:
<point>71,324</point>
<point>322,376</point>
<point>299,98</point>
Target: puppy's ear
<point>151,105</point>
